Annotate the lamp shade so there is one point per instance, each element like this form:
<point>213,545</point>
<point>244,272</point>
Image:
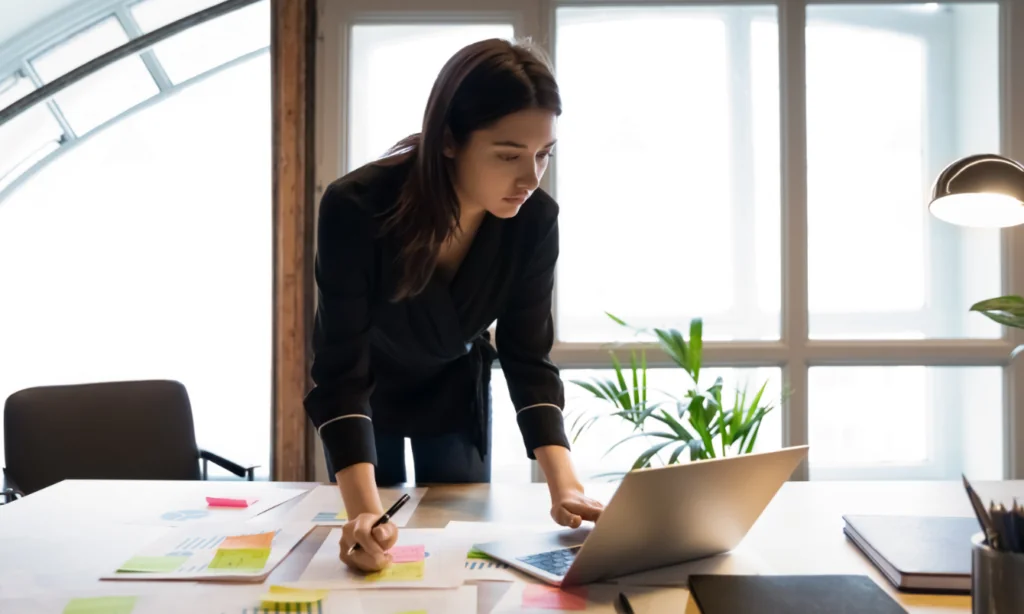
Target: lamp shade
<point>983,190</point>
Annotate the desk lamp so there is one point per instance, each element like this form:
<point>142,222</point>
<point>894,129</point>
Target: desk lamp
<point>982,191</point>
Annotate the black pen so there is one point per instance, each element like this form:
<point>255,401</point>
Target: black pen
<point>626,608</point>
<point>384,518</point>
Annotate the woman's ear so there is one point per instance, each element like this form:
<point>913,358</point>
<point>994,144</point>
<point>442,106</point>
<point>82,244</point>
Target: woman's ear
<point>448,149</point>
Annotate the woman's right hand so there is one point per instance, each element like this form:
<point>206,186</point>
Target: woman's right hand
<point>373,542</point>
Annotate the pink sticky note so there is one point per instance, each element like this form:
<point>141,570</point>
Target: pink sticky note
<point>226,502</point>
<point>544,597</point>
<point>407,554</point>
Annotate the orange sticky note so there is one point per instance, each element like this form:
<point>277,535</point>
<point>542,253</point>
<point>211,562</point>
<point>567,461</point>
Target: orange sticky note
<point>228,502</point>
<point>544,597</point>
<point>258,541</point>
<point>407,554</point>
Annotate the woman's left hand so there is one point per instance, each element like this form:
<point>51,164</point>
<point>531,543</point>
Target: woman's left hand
<point>570,507</point>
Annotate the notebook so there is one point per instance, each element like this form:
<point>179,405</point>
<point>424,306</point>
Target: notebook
<point>917,553</point>
<point>849,594</point>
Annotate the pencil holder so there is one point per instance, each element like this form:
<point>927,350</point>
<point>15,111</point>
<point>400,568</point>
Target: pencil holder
<point>997,579</point>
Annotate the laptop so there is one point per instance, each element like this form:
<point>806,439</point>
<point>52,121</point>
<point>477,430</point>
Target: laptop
<point>657,517</point>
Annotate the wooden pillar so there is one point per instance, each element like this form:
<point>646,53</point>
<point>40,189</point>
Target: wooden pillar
<point>292,50</point>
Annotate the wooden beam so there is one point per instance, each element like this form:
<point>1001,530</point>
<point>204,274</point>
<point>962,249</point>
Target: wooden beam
<point>292,50</point>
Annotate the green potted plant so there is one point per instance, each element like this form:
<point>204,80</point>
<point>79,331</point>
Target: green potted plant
<point>701,423</point>
<point>1005,310</point>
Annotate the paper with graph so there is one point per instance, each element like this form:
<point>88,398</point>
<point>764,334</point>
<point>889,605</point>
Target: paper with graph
<point>479,566</point>
<point>423,558</point>
<point>323,505</point>
<point>235,551</point>
<point>199,502</point>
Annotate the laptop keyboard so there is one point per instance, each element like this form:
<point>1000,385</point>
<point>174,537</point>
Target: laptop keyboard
<point>556,562</point>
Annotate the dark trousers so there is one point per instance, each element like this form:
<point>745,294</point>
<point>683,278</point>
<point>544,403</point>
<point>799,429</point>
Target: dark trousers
<point>439,459</point>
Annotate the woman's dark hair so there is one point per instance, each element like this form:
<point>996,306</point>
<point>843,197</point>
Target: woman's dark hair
<point>479,85</point>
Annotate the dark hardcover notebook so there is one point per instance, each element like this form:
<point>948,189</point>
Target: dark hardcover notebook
<point>841,594</point>
<point>917,553</point>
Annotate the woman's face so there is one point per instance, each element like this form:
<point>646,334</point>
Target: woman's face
<point>499,167</point>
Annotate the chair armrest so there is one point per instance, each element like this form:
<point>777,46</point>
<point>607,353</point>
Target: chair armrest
<point>9,490</point>
<point>241,471</point>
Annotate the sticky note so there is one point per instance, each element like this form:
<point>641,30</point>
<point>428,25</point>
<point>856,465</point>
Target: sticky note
<point>242,559</point>
<point>241,542</point>
<point>283,594</point>
<point>397,572</point>
<point>153,564</point>
<point>544,597</point>
<point>342,515</point>
<point>227,502</point>
<point>407,554</point>
<point>476,554</point>
<point>101,605</point>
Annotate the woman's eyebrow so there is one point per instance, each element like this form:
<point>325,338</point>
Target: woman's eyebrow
<point>520,145</point>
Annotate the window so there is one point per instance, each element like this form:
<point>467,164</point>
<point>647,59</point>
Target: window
<point>906,422</point>
<point>79,49</point>
<point>881,125</point>
<point>27,137</point>
<point>665,166</point>
<point>105,94</point>
<point>694,144</point>
<point>393,68</point>
<point>145,251</point>
<point>207,45</point>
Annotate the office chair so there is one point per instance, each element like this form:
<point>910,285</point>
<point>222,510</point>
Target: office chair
<point>130,430</point>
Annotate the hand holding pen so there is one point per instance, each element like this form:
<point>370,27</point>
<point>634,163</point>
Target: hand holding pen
<point>365,539</point>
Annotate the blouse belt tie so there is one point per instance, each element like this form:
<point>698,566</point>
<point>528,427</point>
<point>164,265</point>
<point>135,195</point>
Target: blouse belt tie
<point>482,355</point>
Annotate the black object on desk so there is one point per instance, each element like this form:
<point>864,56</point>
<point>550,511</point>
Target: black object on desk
<point>624,604</point>
<point>825,594</point>
<point>1003,528</point>
<point>917,553</point>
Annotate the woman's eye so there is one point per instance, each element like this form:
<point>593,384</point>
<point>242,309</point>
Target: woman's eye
<point>546,154</point>
<point>508,158</point>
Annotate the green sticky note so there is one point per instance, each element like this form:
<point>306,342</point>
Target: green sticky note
<point>101,605</point>
<point>476,554</point>
<point>153,564</point>
<point>241,559</point>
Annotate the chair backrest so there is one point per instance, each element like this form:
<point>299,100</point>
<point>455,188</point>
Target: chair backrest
<point>140,430</point>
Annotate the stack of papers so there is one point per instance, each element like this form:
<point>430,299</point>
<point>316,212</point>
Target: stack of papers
<point>236,551</point>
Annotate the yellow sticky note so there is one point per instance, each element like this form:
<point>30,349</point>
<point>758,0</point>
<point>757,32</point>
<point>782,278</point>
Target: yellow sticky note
<point>283,594</point>
<point>342,515</point>
<point>100,605</point>
<point>398,572</point>
<point>241,559</point>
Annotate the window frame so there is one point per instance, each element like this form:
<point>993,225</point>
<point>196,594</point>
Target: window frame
<point>794,351</point>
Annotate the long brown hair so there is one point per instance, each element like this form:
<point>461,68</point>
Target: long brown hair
<point>479,85</point>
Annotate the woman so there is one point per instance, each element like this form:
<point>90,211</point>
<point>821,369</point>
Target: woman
<point>418,253</point>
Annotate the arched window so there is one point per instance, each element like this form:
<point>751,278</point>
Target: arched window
<point>136,221</point>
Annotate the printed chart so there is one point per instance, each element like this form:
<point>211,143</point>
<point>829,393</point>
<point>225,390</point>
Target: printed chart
<point>422,558</point>
<point>244,551</point>
<point>323,506</point>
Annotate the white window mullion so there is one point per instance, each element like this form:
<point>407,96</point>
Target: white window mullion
<point>1012,103</point>
<point>793,92</point>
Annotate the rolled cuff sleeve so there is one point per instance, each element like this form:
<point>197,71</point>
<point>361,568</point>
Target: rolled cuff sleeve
<point>541,425</point>
<point>348,440</point>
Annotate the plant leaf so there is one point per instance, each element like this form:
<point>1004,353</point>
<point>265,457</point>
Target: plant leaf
<point>670,436</point>
<point>627,399</point>
<point>636,384</point>
<point>644,459</point>
<point>696,347</point>
<point>1005,310</point>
